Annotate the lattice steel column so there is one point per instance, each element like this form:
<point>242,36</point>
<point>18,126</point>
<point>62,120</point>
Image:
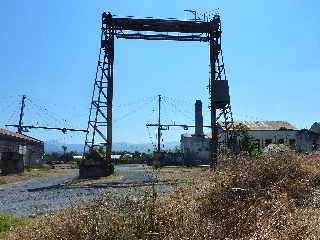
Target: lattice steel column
<point>214,36</point>
<point>109,50</point>
<point>221,114</point>
<point>100,118</point>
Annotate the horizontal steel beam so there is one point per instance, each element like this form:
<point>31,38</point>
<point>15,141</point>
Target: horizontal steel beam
<point>163,37</point>
<point>159,25</point>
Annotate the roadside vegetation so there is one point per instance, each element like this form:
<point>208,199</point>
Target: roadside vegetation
<point>9,223</point>
<point>267,197</point>
<point>172,174</point>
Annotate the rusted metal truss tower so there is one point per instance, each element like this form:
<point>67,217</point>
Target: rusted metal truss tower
<point>100,120</point>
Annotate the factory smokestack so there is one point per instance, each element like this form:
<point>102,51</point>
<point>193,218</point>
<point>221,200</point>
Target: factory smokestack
<point>198,118</point>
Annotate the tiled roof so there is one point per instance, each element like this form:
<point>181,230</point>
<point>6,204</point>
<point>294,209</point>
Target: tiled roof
<point>259,125</point>
<point>268,125</point>
<point>18,136</point>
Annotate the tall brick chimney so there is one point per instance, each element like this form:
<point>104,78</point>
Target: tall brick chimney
<point>198,118</point>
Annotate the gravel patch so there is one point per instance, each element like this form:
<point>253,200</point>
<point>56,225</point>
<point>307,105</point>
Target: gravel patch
<point>47,194</point>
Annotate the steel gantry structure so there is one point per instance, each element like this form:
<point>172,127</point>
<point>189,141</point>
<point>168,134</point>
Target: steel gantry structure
<point>208,31</point>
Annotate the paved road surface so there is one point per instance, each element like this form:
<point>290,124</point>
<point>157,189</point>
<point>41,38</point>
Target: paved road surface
<point>18,200</point>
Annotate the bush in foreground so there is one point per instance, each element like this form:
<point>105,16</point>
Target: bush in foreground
<point>7,223</point>
<point>265,198</point>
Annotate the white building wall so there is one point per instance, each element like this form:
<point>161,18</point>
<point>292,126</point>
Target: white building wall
<point>275,136</point>
<point>198,147</point>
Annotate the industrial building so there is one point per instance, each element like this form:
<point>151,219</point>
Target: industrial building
<point>18,151</point>
<point>309,139</point>
<point>267,132</point>
<point>196,147</point>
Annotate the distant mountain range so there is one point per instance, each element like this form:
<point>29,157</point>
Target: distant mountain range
<point>56,146</point>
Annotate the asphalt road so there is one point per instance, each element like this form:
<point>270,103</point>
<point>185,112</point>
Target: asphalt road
<point>46,194</point>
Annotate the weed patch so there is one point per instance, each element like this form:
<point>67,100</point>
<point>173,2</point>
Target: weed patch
<point>2,181</point>
<point>8,223</point>
<point>270,197</point>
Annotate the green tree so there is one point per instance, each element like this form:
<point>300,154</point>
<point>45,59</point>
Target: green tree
<point>247,142</point>
<point>177,150</point>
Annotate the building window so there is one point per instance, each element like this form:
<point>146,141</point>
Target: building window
<point>268,141</point>
<point>281,141</point>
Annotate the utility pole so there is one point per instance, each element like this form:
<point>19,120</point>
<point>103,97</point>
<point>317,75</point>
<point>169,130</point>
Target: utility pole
<point>163,127</point>
<point>20,127</point>
<point>159,124</point>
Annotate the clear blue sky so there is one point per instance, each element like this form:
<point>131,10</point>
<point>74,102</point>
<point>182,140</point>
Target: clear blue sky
<point>49,52</point>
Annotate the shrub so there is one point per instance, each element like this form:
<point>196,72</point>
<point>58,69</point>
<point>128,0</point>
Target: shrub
<point>2,181</point>
<point>271,197</point>
<point>8,223</point>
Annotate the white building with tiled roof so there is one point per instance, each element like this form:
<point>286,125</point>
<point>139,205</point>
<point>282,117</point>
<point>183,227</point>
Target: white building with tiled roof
<point>267,132</point>
<point>196,146</point>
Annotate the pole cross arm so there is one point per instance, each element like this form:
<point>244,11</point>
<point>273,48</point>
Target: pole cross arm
<point>184,126</point>
<point>63,130</point>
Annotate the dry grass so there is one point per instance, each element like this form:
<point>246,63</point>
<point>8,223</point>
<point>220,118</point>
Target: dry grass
<point>180,174</point>
<point>267,198</point>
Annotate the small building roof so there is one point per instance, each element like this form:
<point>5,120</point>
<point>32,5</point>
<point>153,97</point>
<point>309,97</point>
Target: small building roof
<point>18,136</point>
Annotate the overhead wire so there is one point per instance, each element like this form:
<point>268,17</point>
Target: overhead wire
<point>50,115</point>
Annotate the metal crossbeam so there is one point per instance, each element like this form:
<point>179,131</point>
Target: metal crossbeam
<point>157,25</point>
<point>162,37</point>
